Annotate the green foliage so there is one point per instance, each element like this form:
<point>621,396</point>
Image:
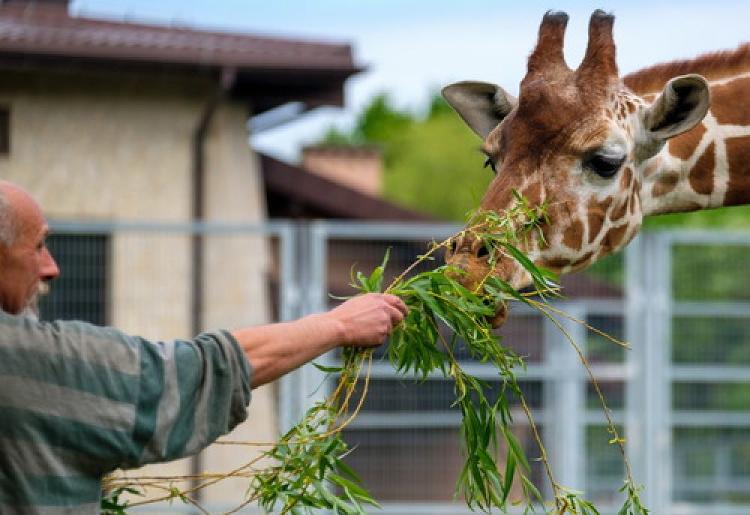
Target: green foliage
<point>111,504</point>
<point>432,163</point>
<point>310,468</point>
<point>735,217</point>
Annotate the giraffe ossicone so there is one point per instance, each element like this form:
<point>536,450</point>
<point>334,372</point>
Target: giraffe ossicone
<point>600,151</point>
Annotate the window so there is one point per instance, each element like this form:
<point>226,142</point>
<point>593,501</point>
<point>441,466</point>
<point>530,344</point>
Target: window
<point>82,290</point>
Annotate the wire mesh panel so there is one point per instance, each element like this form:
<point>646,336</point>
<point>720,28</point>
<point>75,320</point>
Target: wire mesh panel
<point>710,386</point>
<point>83,291</point>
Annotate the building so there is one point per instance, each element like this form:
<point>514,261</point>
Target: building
<point>105,121</point>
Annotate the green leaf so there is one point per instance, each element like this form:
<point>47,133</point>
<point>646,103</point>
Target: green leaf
<point>510,471</point>
<point>328,369</point>
<point>515,447</point>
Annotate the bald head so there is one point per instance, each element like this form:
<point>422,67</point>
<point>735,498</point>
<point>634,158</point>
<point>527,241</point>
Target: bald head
<point>7,223</point>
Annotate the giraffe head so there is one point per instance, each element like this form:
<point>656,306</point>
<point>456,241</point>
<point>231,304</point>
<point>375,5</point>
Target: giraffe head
<point>577,141</point>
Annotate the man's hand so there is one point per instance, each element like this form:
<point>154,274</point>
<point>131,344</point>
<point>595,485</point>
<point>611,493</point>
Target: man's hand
<point>275,349</point>
<point>366,320</point>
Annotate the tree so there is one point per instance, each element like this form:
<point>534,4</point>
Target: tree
<point>432,163</point>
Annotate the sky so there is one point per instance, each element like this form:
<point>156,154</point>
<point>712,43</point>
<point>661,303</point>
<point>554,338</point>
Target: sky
<point>411,48</point>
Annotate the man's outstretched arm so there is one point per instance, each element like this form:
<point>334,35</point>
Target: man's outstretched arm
<point>275,349</point>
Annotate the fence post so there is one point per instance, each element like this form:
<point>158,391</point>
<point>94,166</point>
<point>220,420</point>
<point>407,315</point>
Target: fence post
<point>290,300</point>
<point>648,273</point>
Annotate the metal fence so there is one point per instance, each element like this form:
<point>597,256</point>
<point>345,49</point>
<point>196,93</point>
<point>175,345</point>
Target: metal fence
<point>681,394</point>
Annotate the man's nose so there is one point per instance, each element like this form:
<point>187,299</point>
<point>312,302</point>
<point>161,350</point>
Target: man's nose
<point>50,270</point>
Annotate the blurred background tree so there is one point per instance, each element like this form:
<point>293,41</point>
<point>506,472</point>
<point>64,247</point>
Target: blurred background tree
<point>432,162</point>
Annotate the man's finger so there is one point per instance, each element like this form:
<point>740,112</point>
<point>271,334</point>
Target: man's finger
<point>397,303</point>
<point>396,316</point>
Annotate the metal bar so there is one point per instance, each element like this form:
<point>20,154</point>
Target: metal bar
<point>289,309</point>
<point>565,393</point>
<point>429,419</point>
<point>704,237</point>
<point>387,230</point>
<point>314,387</point>
<point>532,372</point>
<point>72,226</point>
<point>710,418</point>
<point>710,373</point>
<point>658,369</point>
<point>709,509</point>
<point>711,309</point>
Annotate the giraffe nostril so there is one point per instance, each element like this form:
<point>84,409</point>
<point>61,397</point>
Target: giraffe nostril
<point>483,251</point>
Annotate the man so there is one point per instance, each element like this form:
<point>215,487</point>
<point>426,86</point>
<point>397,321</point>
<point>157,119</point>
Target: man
<point>78,401</point>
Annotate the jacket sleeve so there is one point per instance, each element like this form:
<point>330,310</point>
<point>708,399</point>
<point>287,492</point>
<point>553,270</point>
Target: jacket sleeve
<point>191,392</point>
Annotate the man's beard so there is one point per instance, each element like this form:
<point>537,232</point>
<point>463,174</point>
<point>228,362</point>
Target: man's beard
<point>31,310</point>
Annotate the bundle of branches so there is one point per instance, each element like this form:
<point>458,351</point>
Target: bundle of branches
<point>308,470</point>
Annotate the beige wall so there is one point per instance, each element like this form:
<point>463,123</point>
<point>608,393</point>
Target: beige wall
<point>118,147</point>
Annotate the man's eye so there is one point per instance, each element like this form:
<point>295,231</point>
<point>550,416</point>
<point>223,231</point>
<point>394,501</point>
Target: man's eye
<point>489,162</point>
<point>603,165</point>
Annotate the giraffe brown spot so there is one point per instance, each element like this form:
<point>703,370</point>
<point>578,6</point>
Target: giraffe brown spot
<point>573,235</point>
<point>724,104</point>
<point>702,174</point>
<point>557,263</point>
<point>626,178</point>
<point>665,184</point>
<point>684,145</point>
<point>533,193</point>
<point>613,239</point>
<point>597,212</point>
<point>691,206</point>
<point>620,210</point>
<point>583,260</point>
<point>631,107</point>
<point>738,160</point>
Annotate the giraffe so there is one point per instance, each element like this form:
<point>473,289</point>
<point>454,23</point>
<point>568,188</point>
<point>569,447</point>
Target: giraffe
<point>603,152</point>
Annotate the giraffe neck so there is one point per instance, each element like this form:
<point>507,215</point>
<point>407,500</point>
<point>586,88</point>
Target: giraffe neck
<point>708,166</point>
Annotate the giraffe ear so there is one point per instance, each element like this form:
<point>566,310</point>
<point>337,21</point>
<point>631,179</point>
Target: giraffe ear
<point>481,105</point>
<point>681,106</point>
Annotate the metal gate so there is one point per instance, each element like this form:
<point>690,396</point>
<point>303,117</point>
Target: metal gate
<point>681,394</point>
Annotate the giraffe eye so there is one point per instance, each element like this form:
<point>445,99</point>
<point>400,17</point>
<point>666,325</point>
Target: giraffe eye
<point>603,165</point>
<point>489,162</point>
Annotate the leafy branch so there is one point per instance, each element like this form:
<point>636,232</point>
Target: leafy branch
<point>309,471</point>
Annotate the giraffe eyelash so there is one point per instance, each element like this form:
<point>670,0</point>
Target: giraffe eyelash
<point>489,162</point>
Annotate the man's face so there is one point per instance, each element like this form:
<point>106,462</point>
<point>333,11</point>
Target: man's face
<point>26,264</point>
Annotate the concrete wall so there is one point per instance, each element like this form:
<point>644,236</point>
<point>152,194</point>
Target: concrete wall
<point>118,147</point>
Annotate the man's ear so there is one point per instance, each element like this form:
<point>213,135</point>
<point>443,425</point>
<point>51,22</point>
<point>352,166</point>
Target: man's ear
<point>681,106</point>
<point>481,105</point>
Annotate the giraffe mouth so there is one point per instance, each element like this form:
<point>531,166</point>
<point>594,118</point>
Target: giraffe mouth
<point>501,315</point>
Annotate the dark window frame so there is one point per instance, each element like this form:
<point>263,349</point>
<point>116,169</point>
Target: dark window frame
<point>4,130</point>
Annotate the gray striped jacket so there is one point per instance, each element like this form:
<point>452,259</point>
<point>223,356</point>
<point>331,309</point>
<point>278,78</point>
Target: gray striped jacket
<point>78,401</point>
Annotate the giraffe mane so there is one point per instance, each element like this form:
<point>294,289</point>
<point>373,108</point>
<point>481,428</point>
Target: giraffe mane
<point>713,66</point>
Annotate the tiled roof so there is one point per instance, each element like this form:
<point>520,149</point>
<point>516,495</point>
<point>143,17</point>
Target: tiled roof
<point>325,198</point>
<point>47,30</point>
